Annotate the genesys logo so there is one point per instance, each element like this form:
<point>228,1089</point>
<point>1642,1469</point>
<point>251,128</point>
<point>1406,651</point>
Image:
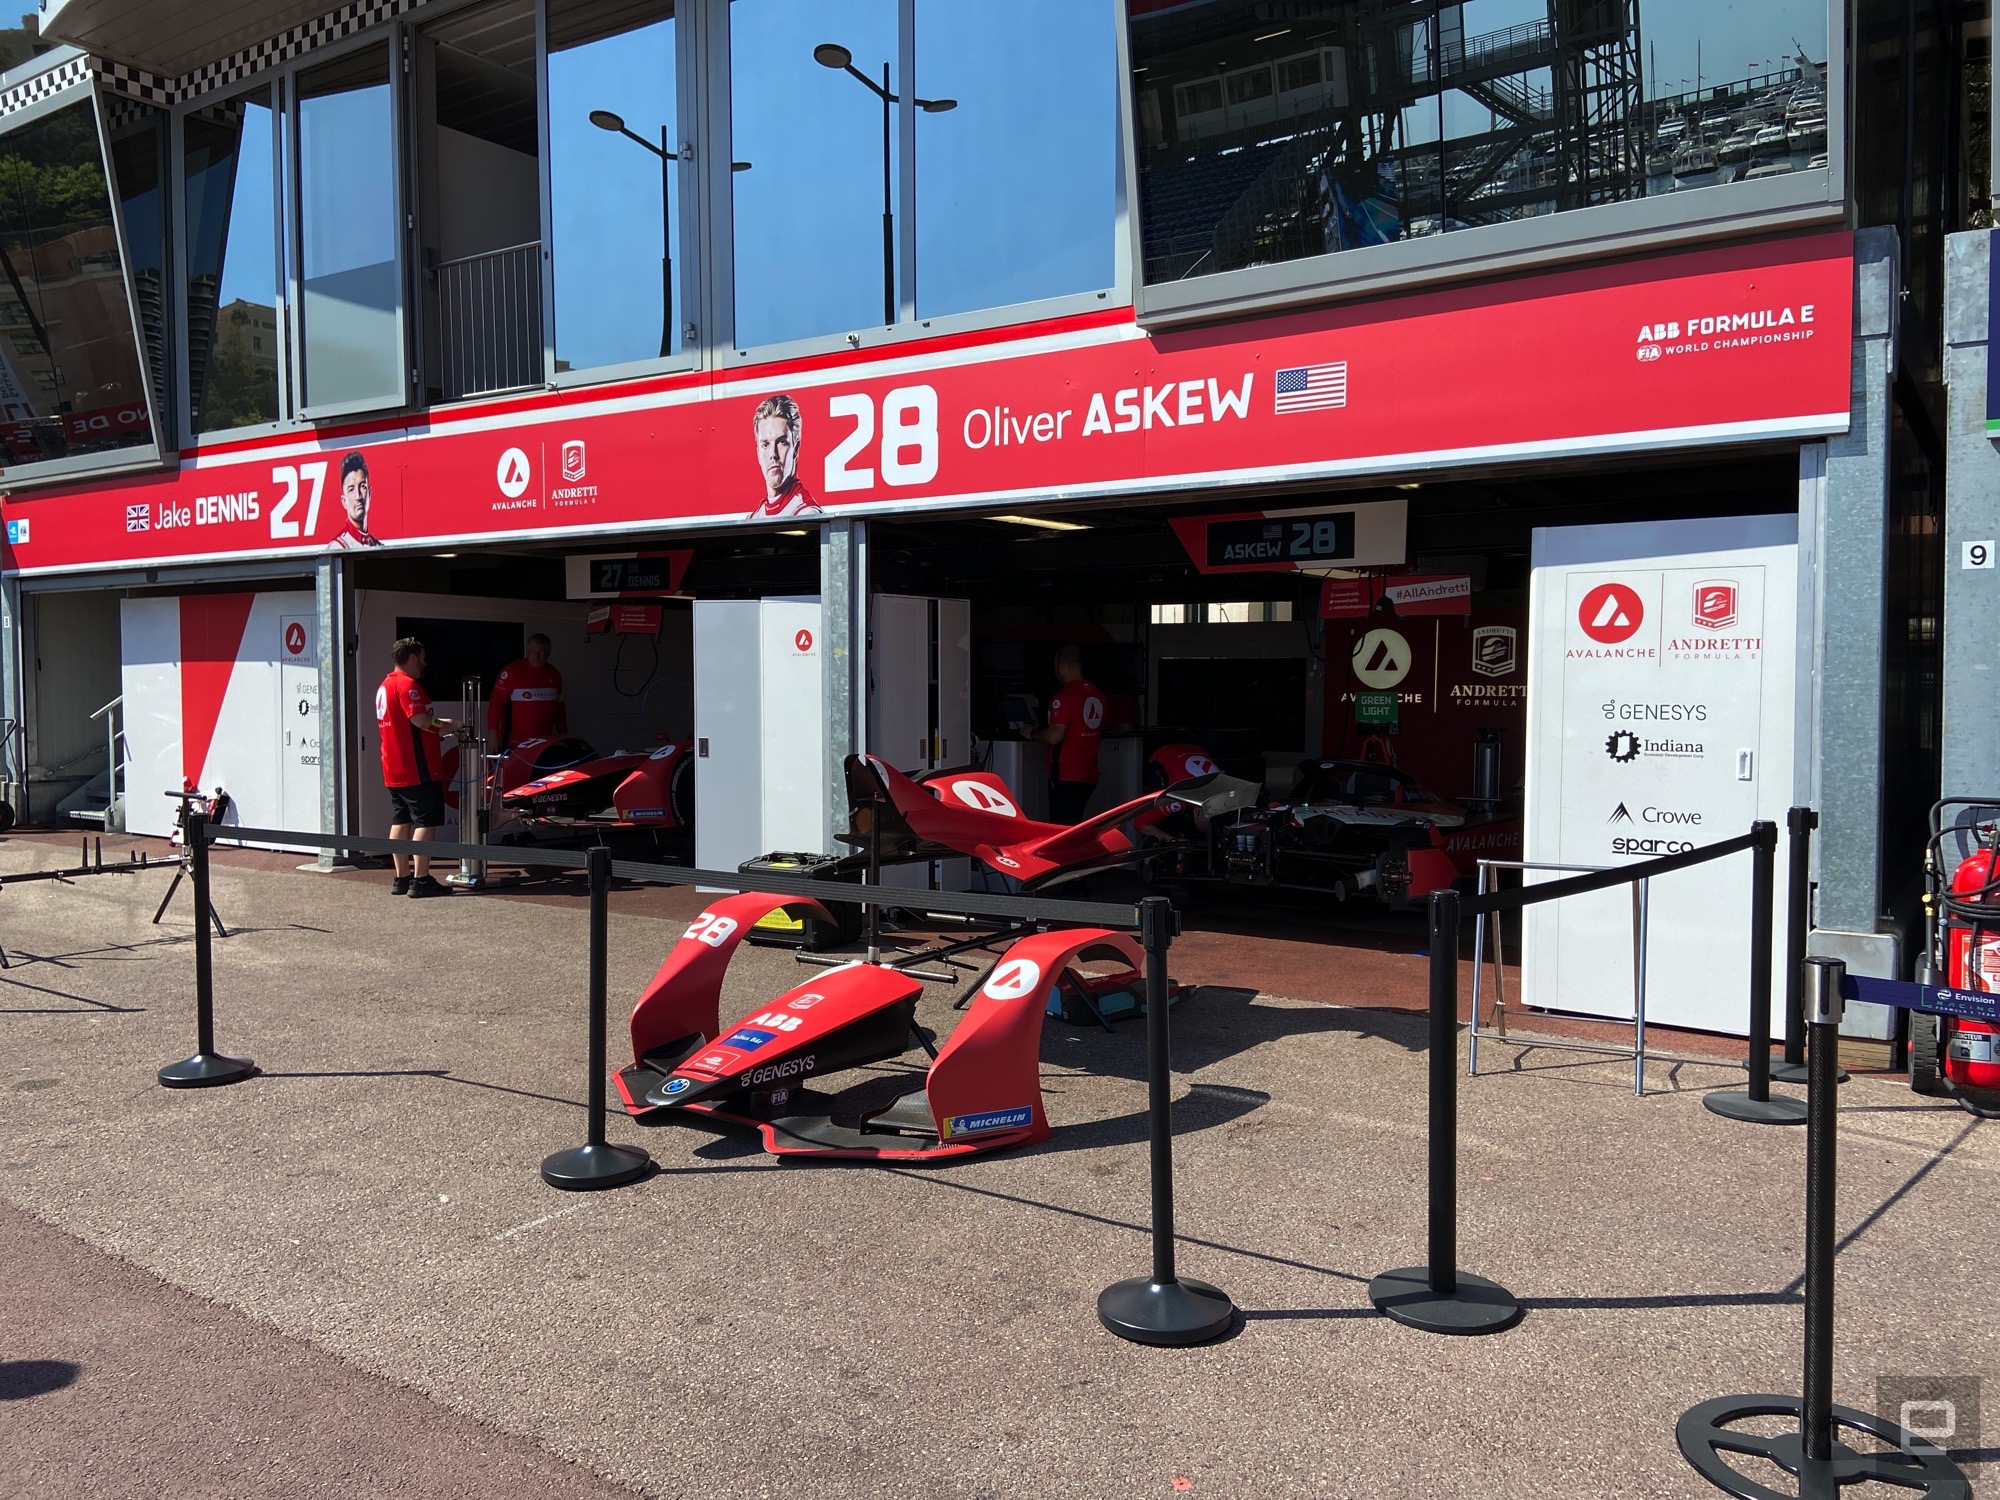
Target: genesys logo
<point>1611,614</point>
<point>1620,711</point>
<point>1623,813</point>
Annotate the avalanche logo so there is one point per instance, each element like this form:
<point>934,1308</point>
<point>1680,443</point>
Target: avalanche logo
<point>978,795</point>
<point>1013,979</point>
<point>1622,747</point>
<point>1093,713</point>
<point>511,474</point>
<point>1610,614</point>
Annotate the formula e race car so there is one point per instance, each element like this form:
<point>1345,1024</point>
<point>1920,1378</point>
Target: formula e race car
<point>560,785</point>
<point>1348,828</point>
<point>982,1091</point>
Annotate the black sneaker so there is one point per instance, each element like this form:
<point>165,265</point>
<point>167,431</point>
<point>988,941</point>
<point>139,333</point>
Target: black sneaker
<point>400,886</point>
<point>423,885</point>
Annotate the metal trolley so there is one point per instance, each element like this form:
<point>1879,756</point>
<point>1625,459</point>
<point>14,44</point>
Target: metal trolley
<point>1641,893</point>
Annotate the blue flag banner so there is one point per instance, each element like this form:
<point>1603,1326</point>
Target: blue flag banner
<point>1936,999</point>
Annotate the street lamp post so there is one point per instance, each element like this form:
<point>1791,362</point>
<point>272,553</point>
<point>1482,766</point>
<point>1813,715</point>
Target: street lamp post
<point>833,55</point>
<point>604,119</point>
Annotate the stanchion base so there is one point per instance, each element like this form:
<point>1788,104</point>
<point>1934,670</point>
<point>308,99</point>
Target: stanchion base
<point>1779,1109</point>
<point>206,1070</point>
<point>584,1168</point>
<point>1171,1313</point>
<point>1478,1306</point>
<point>1705,1437</point>
<point>1784,1072</point>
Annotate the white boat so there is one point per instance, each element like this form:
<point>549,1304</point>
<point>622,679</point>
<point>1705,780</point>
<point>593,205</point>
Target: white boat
<point>1695,165</point>
<point>1770,138</point>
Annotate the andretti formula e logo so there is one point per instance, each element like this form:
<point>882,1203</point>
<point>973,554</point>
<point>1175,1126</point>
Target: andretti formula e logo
<point>1715,604</point>
<point>1611,614</point>
<point>1494,650</point>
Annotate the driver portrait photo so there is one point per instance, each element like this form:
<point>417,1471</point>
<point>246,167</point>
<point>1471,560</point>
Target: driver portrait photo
<point>354,496</point>
<point>776,424</point>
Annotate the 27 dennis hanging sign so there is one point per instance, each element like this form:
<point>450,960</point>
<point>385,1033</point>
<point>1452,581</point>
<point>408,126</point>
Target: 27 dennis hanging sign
<point>1075,408</point>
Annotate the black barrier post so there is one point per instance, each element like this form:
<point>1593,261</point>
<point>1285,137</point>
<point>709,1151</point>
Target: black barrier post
<point>1755,1105</point>
<point>597,1163</point>
<point>1162,1308</point>
<point>1801,821</point>
<point>1823,1464</point>
<point>1440,1298</point>
<point>207,1068</point>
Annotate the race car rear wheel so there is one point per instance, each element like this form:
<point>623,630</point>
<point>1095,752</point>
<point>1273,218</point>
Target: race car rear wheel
<point>680,792</point>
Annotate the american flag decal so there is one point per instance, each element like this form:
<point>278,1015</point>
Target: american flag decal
<point>1312,387</point>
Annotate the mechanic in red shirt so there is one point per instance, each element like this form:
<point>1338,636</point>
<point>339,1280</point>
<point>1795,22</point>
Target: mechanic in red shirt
<point>412,765</point>
<point>1075,727</point>
<point>527,702</point>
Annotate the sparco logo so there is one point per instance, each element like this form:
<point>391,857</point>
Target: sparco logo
<point>1622,746</point>
<point>790,1068</point>
<point>1650,846</point>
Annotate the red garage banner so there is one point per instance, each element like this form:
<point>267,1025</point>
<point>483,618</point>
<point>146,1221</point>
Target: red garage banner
<point>1747,342</point>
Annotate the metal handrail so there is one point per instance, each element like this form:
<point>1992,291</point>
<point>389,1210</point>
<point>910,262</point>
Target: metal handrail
<point>490,321</point>
<point>109,706</point>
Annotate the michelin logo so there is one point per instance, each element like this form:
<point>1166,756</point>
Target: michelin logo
<point>998,1119</point>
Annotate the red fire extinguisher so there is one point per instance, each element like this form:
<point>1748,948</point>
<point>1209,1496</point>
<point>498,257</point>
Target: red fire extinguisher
<point>1949,1054</point>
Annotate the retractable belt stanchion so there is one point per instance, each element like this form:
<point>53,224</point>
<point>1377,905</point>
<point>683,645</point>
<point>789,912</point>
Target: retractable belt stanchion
<point>1755,1105</point>
<point>1800,822</point>
<point>1439,1298</point>
<point>207,1068</point>
<point>1814,1453</point>
<point>1162,1308</point>
<point>597,1163</point>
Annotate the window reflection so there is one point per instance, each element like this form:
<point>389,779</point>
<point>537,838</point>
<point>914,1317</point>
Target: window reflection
<point>1271,133</point>
<point>71,380</point>
<point>809,214</point>
<point>232,292</point>
<point>1016,186</point>
<point>348,234</point>
<point>614,193</point>
<point>138,168</point>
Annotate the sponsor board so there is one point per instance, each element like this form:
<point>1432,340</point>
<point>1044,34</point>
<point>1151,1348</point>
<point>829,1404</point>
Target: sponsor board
<point>1087,406</point>
<point>995,1119</point>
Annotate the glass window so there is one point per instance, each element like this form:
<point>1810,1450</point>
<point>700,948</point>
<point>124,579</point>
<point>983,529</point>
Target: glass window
<point>232,264</point>
<point>815,249</point>
<point>138,169</point>
<point>350,272</point>
<point>71,378</point>
<point>1267,137</point>
<point>479,202</point>
<point>1017,181</point>
<point>614,190</point>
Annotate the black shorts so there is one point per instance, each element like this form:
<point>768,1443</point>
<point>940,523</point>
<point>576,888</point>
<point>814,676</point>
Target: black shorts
<point>422,805</point>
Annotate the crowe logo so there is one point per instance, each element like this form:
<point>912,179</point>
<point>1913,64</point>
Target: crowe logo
<point>1611,613</point>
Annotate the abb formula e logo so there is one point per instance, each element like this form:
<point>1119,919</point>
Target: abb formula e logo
<point>1715,604</point>
<point>1013,979</point>
<point>1611,614</point>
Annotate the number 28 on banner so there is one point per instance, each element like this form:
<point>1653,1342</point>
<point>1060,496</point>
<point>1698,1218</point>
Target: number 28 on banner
<point>908,452</point>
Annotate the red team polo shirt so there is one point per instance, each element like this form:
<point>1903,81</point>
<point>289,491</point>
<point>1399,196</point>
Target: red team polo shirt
<point>410,756</point>
<point>526,704</point>
<point>1079,707</point>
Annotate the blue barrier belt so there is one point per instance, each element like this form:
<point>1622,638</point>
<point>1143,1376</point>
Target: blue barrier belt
<point>1933,999</point>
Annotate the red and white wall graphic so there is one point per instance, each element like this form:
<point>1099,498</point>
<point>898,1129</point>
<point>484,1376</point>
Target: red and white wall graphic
<point>1715,346</point>
<point>222,690</point>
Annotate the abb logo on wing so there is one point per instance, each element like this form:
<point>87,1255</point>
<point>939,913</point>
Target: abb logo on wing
<point>1088,406</point>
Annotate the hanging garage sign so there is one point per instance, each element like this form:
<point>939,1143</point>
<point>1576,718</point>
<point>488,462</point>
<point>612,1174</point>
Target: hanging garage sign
<point>1716,346</point>
<point>1296,541</point>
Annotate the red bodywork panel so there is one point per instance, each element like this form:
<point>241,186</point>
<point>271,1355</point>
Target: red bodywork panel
<point>1008,842</point>
<point>983,1090</point>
